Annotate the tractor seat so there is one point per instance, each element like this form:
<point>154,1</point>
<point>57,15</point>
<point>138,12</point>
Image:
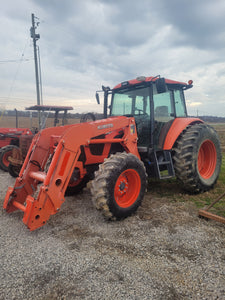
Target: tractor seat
<point>161,111</point>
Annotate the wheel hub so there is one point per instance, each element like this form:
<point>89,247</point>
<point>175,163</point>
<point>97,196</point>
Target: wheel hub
<point>122,187</point>
<point>127,188</point>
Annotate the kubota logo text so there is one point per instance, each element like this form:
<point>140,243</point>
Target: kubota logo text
<point>105,126</point>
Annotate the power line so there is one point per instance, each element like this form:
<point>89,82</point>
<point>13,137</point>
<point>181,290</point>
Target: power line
<point>17,70</point>
<point>15,60</point>
<point>28,98</point>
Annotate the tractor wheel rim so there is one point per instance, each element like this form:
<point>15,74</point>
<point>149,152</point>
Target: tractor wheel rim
<point>127,188</point>
<point>5,158</point>
<point>207,158</point>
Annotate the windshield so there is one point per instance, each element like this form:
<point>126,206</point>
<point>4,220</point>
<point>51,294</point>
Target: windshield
<point>135,102</point>
<point>130,102</point>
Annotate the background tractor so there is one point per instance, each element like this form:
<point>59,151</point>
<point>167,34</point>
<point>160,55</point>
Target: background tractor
<point>12,158</point>
<point>9,141</point>
<point>145,132</point>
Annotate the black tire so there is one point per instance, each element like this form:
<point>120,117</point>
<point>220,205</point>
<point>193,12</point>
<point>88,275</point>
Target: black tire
<point>119,186</point>
<point>197,158</point>
<point>87,118</point>
<point>76,185</point>
<point>5,152</point>
<point>14,170</point>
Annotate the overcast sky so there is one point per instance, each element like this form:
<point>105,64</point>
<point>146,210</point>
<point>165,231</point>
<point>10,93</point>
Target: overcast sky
<point>85,44</point>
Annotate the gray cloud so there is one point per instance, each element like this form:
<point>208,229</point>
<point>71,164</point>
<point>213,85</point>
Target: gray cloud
<point>201,23</point>
<point>85,44</point>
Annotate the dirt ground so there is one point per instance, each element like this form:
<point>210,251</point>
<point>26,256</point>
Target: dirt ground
<point>164,251</point>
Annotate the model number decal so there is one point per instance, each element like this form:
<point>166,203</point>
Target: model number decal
<point>105,126</point>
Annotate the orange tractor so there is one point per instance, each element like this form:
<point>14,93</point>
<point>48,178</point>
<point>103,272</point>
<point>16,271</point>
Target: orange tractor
<point>145,132</point>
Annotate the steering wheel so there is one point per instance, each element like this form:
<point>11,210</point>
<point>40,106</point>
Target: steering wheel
<point>139,111</point>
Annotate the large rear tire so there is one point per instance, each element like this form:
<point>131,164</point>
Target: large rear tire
<point>197,158</point>
<point>119,186</point>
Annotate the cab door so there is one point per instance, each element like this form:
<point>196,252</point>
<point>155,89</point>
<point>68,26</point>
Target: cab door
<point>164,114</point>
<point>142,117</point>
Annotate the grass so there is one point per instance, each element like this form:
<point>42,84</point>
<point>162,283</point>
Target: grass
<point>173,191</point>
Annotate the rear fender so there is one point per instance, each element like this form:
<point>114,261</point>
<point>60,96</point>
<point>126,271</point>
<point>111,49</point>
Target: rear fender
<point>178,125</point>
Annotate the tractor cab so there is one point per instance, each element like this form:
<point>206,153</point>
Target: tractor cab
<point>158,105</point>
<point>154,102</point>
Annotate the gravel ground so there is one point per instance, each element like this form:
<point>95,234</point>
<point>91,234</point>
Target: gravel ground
<point>164,251</point>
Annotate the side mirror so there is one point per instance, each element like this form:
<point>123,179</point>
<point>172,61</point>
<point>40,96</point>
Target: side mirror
<point>161,85</point>
<point>97,98</point>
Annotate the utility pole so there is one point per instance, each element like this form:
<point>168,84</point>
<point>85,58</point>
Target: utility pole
<point>36,37</point>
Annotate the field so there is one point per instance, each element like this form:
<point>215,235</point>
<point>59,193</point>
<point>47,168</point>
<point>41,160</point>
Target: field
<point>26,122</point>
<point>163,251</point>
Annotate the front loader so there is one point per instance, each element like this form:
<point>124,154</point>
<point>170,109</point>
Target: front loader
<point>145,132</point>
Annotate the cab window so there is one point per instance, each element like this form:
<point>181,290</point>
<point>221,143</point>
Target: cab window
<point>131,102</point>
<point>179,104</point>
<point>163,108</point>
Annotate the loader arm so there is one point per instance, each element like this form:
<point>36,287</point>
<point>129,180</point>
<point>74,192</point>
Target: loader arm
<point>54,153</point>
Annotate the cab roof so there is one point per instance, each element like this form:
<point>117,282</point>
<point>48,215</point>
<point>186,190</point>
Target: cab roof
<point>142,79</point>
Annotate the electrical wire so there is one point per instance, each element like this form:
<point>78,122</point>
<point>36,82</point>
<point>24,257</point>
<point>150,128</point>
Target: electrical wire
<point>17,71</point>
<point>15,60</point>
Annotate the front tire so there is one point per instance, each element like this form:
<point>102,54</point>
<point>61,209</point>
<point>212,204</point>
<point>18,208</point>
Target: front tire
<point>197,158</point>
<point>119,186</point>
